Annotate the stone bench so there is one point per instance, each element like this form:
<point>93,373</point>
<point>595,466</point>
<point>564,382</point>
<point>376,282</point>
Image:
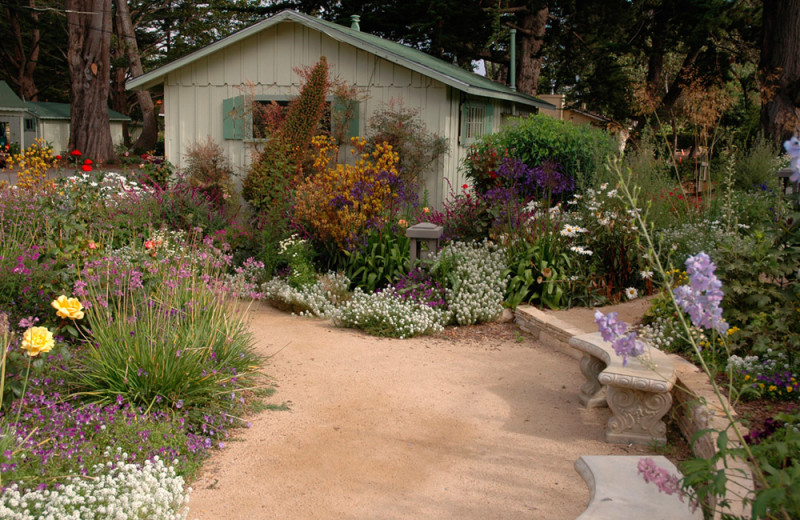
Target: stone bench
<point>617,491</point>
<point>638,394</point>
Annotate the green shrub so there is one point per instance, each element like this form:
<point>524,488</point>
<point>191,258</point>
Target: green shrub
<point>756,166</point>
<point>580,150</point>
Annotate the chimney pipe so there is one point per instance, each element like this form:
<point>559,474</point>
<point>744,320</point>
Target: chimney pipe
<point>513,65</point>
<point>354,19</point>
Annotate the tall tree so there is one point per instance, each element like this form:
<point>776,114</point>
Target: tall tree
<point>780,69</point>
<point>20,48</point>
<point>149,136</point>
<point>89,55</point>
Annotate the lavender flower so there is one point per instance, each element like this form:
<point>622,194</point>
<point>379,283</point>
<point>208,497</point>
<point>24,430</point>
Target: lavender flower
<point>616,331</point>
<point>792,147</point>
<point>701,298</point>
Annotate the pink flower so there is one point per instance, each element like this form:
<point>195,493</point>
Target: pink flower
<point>149,244</point>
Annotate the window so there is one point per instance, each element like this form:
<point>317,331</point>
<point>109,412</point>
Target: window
<point>476,121</point>
<point>265,113</point>
<point>30,124</point>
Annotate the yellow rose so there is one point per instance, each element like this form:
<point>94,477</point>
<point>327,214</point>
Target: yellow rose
<point>68,308</point>
<point>36,340</point>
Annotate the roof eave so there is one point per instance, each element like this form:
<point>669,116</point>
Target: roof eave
<point>157,76</point>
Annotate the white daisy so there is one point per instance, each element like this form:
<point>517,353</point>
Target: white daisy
<point>631,293</point>
<point>646,275</point>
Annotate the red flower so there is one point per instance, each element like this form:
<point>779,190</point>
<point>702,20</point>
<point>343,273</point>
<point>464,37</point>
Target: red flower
<point>86,168</point>
<point>87,161</point>
<point>493,175</point>
<point>75,153</point>
<point>465,186</point>
<point>671,193</point>
<point>680,197</point>
<point>58,157</point>
<point>148,244</point>
<point>145,156</point>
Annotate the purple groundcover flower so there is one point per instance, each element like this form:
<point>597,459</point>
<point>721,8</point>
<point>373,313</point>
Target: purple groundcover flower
<point>702,297</point>
<point>666,481</point>
<point>616,331</point>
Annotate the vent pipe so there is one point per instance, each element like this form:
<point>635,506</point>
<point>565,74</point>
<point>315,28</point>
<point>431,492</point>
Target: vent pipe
<point>354,19</point>
<point>513,64</point>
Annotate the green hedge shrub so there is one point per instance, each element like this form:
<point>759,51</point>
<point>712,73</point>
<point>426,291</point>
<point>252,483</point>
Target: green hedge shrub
<point>580,150</point>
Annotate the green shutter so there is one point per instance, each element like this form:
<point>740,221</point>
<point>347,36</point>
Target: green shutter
<point>345,111</point>
<point>233,118</point>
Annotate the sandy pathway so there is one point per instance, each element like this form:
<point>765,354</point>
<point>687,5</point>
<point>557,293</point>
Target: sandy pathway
<point>429,428</point>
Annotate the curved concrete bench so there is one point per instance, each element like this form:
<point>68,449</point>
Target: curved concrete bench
<point>638,394</point>
<point>617,491</point>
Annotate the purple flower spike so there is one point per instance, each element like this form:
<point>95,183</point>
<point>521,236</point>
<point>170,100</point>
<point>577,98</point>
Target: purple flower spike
<point>702,297</point>
<point>614,331</point>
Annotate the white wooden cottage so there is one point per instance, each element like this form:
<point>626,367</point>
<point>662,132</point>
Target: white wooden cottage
<point>202,90</point>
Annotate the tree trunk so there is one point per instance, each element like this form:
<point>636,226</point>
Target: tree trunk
<point>147,140</point>
<point>89,55</point>
<point>780,69</point>
<point>21,59</point>
<point>534,23</point>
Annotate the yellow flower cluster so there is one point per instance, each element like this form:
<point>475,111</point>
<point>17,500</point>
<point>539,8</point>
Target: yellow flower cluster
<point>32,165</point>
<point>325,151</point>
<point>340,202</point>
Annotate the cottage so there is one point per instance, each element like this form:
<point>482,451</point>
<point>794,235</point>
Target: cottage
<point>14,117</point>
<point>51,122</point>
<point>203,89</point>
<point>22,122</point>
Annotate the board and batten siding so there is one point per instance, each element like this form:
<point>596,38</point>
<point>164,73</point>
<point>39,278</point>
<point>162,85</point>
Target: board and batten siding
<point>193,95</point>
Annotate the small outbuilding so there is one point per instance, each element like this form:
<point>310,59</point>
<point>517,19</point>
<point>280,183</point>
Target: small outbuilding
<point>22,122</point>
<point>203,89</point>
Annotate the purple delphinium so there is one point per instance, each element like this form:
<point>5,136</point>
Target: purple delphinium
<point>702,297</point>
<point>615,331</point>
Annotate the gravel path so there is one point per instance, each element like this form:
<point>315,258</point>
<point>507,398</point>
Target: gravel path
<point>471,424</point>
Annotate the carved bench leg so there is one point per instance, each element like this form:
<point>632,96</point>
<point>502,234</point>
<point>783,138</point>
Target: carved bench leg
<point>637,416</point>
<point>593,394</point>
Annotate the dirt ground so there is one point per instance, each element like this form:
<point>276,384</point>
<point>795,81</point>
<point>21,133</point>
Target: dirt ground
<point>476,423</point>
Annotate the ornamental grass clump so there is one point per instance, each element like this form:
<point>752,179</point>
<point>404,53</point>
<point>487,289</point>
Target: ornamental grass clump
<point>163,332</point>
<point>473,273</point>
<point>116,489</point>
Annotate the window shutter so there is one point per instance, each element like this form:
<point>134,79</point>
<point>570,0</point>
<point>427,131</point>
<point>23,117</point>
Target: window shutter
<point>233,118</point>
<point>489,126</point>
<point>347,112</point>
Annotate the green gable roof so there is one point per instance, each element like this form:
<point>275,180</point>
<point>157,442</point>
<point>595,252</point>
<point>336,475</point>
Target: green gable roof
<point>9,100</point>
<point>413,59</point>
<point>47,110</point>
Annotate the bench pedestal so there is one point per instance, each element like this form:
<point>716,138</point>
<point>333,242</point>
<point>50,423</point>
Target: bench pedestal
<point>638,394</point>
<point>593,394</point>
<point>637,416</point>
